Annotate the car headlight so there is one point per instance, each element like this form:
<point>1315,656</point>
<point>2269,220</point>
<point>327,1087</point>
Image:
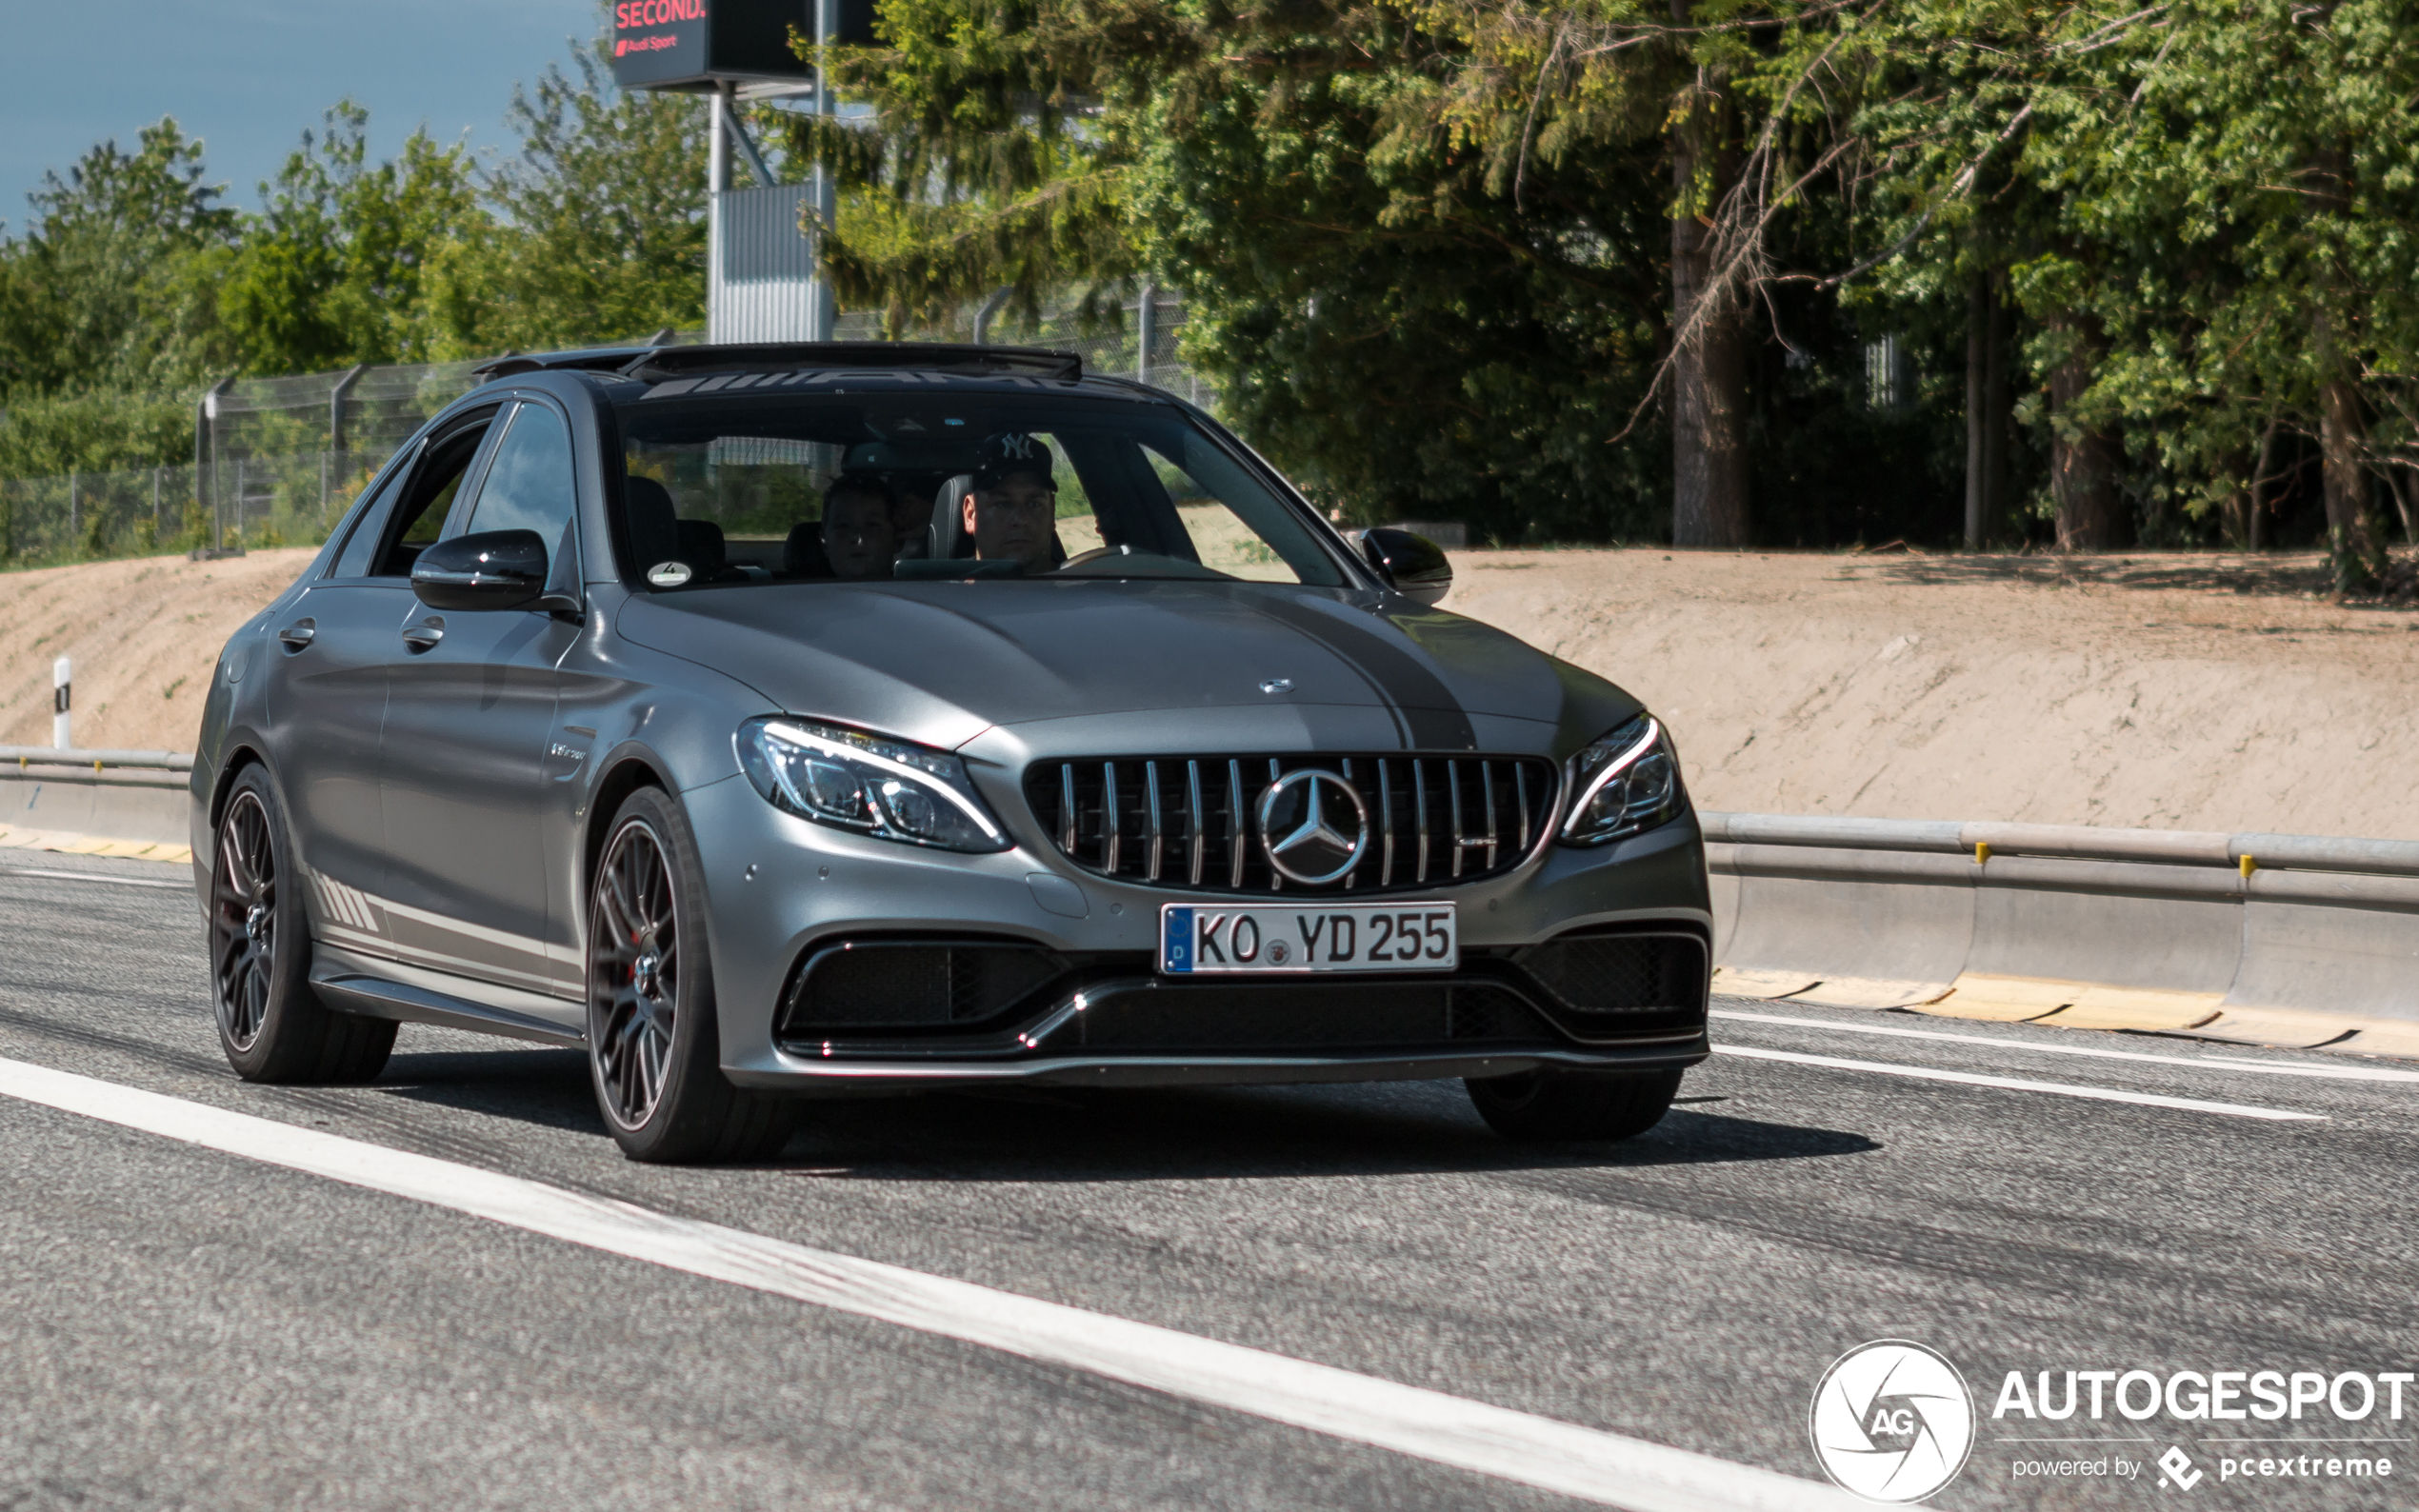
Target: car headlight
<point>851,780</point>
<point>1627,780</point>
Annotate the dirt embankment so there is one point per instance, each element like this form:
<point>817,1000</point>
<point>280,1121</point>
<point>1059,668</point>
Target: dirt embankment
<point>143,634</point>
<point>2196,692</point>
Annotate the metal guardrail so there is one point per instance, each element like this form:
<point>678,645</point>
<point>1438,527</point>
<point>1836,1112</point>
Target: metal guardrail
<point>2273,934</point>
<point>54,756</point>
<point>2263,849</point>
<point>106,768</point>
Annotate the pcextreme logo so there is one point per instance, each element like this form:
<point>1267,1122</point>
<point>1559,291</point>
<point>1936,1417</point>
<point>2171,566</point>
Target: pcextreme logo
<point>1891,1421</point>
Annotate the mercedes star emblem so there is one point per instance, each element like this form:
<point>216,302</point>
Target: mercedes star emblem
<point>1298,825</point>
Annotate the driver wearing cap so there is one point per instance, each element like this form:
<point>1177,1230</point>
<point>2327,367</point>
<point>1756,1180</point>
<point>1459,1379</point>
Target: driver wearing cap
<point>1012,511</point>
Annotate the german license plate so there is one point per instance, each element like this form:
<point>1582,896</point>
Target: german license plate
<point>1308,936</point>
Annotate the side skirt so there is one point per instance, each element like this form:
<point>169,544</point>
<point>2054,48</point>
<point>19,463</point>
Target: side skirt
<point>361,984</point>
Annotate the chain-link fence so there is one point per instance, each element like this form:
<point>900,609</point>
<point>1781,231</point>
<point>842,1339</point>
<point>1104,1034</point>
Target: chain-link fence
<point>278,460</point>
<point>95,514</point>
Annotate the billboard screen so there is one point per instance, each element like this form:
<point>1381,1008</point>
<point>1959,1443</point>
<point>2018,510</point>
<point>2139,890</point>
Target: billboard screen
<point>689,44</point>
<point>659,42</point>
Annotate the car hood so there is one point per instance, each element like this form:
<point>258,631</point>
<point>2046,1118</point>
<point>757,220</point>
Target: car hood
<point>940,662</point>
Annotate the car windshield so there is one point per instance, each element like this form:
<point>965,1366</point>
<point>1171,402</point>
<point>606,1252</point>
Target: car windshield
<point>759,478</point>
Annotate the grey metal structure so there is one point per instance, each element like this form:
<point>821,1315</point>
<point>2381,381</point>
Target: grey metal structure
<point>516,779</point>
<point>765,286</point>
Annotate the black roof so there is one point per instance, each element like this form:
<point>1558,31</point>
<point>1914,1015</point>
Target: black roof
<point>656,363</point>
<point>660,362</point>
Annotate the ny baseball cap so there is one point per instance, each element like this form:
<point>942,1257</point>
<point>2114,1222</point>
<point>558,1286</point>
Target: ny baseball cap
<point>1010,451</point>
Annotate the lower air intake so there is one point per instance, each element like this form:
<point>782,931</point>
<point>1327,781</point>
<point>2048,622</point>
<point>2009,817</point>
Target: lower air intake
<point>913,984</point>
<point>1620,973</point>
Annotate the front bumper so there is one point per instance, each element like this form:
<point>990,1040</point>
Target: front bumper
<point>780,889</point>
<point>1223,1071</point>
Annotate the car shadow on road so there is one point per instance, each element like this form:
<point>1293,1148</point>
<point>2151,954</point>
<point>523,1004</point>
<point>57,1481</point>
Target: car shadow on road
<point>1103,1135</point>
<point>1201,1133</point>
<point>547,1088</point>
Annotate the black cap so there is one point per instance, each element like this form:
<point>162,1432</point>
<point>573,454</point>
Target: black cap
<point>872,485</point>
<point>1010,451</point>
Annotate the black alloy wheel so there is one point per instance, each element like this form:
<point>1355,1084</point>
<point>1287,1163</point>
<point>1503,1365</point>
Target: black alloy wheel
<point>244,920</point>
<point>273,1027</point>
<point>654,1053</point>
<point>634,953</point>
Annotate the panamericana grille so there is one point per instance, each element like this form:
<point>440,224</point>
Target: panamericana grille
<point>1192,821</point>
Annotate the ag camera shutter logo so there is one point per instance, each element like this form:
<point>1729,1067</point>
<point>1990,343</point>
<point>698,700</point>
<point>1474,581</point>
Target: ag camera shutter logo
<point>1891,1421</point>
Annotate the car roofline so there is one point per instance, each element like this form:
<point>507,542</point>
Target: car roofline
<point>578,359</point>
<point>656,365</point>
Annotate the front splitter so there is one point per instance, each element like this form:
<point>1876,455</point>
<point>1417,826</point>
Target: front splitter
<point>801,1074</point>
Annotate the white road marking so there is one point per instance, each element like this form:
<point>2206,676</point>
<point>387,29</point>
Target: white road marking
<point>2016,1084</point>
<point>94,876</point>
<point>2339,1073</point>
<point>1560,1457</point>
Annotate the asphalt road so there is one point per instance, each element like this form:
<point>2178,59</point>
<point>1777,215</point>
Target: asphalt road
<point>192,1329</point>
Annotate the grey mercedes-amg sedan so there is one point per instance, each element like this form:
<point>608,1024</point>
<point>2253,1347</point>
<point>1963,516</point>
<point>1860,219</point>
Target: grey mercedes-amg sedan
<point>783,722</point>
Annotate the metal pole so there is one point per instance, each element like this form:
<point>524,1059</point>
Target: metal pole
<point>1147,324</point>
<point>336,398</point>
<point>821,312</point>
<point>62,691</point>
<point>206,446</point>
<point>991,306</point>
<point>1977,413</point>
<point>746,147</point>
<point>156,503</point>
<point>717,180</point>
<point>75,523</point>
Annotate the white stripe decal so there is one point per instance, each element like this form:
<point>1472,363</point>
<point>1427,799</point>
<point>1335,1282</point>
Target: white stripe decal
<point>338,903</point>
<point>2017,1084</point>
<point>2341,1073</point>
<point>1407,1419</point>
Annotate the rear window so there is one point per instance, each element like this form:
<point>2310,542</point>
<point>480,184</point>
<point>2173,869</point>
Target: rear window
<point>731,488</point>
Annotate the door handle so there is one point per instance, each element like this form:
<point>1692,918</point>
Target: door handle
<point>425,635</point>
<point>297,635</point>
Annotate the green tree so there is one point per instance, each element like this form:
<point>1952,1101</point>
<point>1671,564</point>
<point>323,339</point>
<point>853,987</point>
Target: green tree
<point>2208,213</point>
<point>97,294</point>
<point>598,228</point>
<point>1352,285</point>
<point>333,269</point>
<point>1437,254</point>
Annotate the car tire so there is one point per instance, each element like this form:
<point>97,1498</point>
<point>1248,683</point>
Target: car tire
<point>1556,1105</point>
<point>270,1023</point>
<point>654,1055</point>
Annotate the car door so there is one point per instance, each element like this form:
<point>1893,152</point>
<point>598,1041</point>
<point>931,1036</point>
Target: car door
<point>469,709</point>
<point>326,711</point>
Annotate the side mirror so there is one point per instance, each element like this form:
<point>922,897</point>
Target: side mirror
<point>492,569</point>
<point>1413,565</point>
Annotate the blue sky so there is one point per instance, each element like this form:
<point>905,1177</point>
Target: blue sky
<point>250,75</point>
